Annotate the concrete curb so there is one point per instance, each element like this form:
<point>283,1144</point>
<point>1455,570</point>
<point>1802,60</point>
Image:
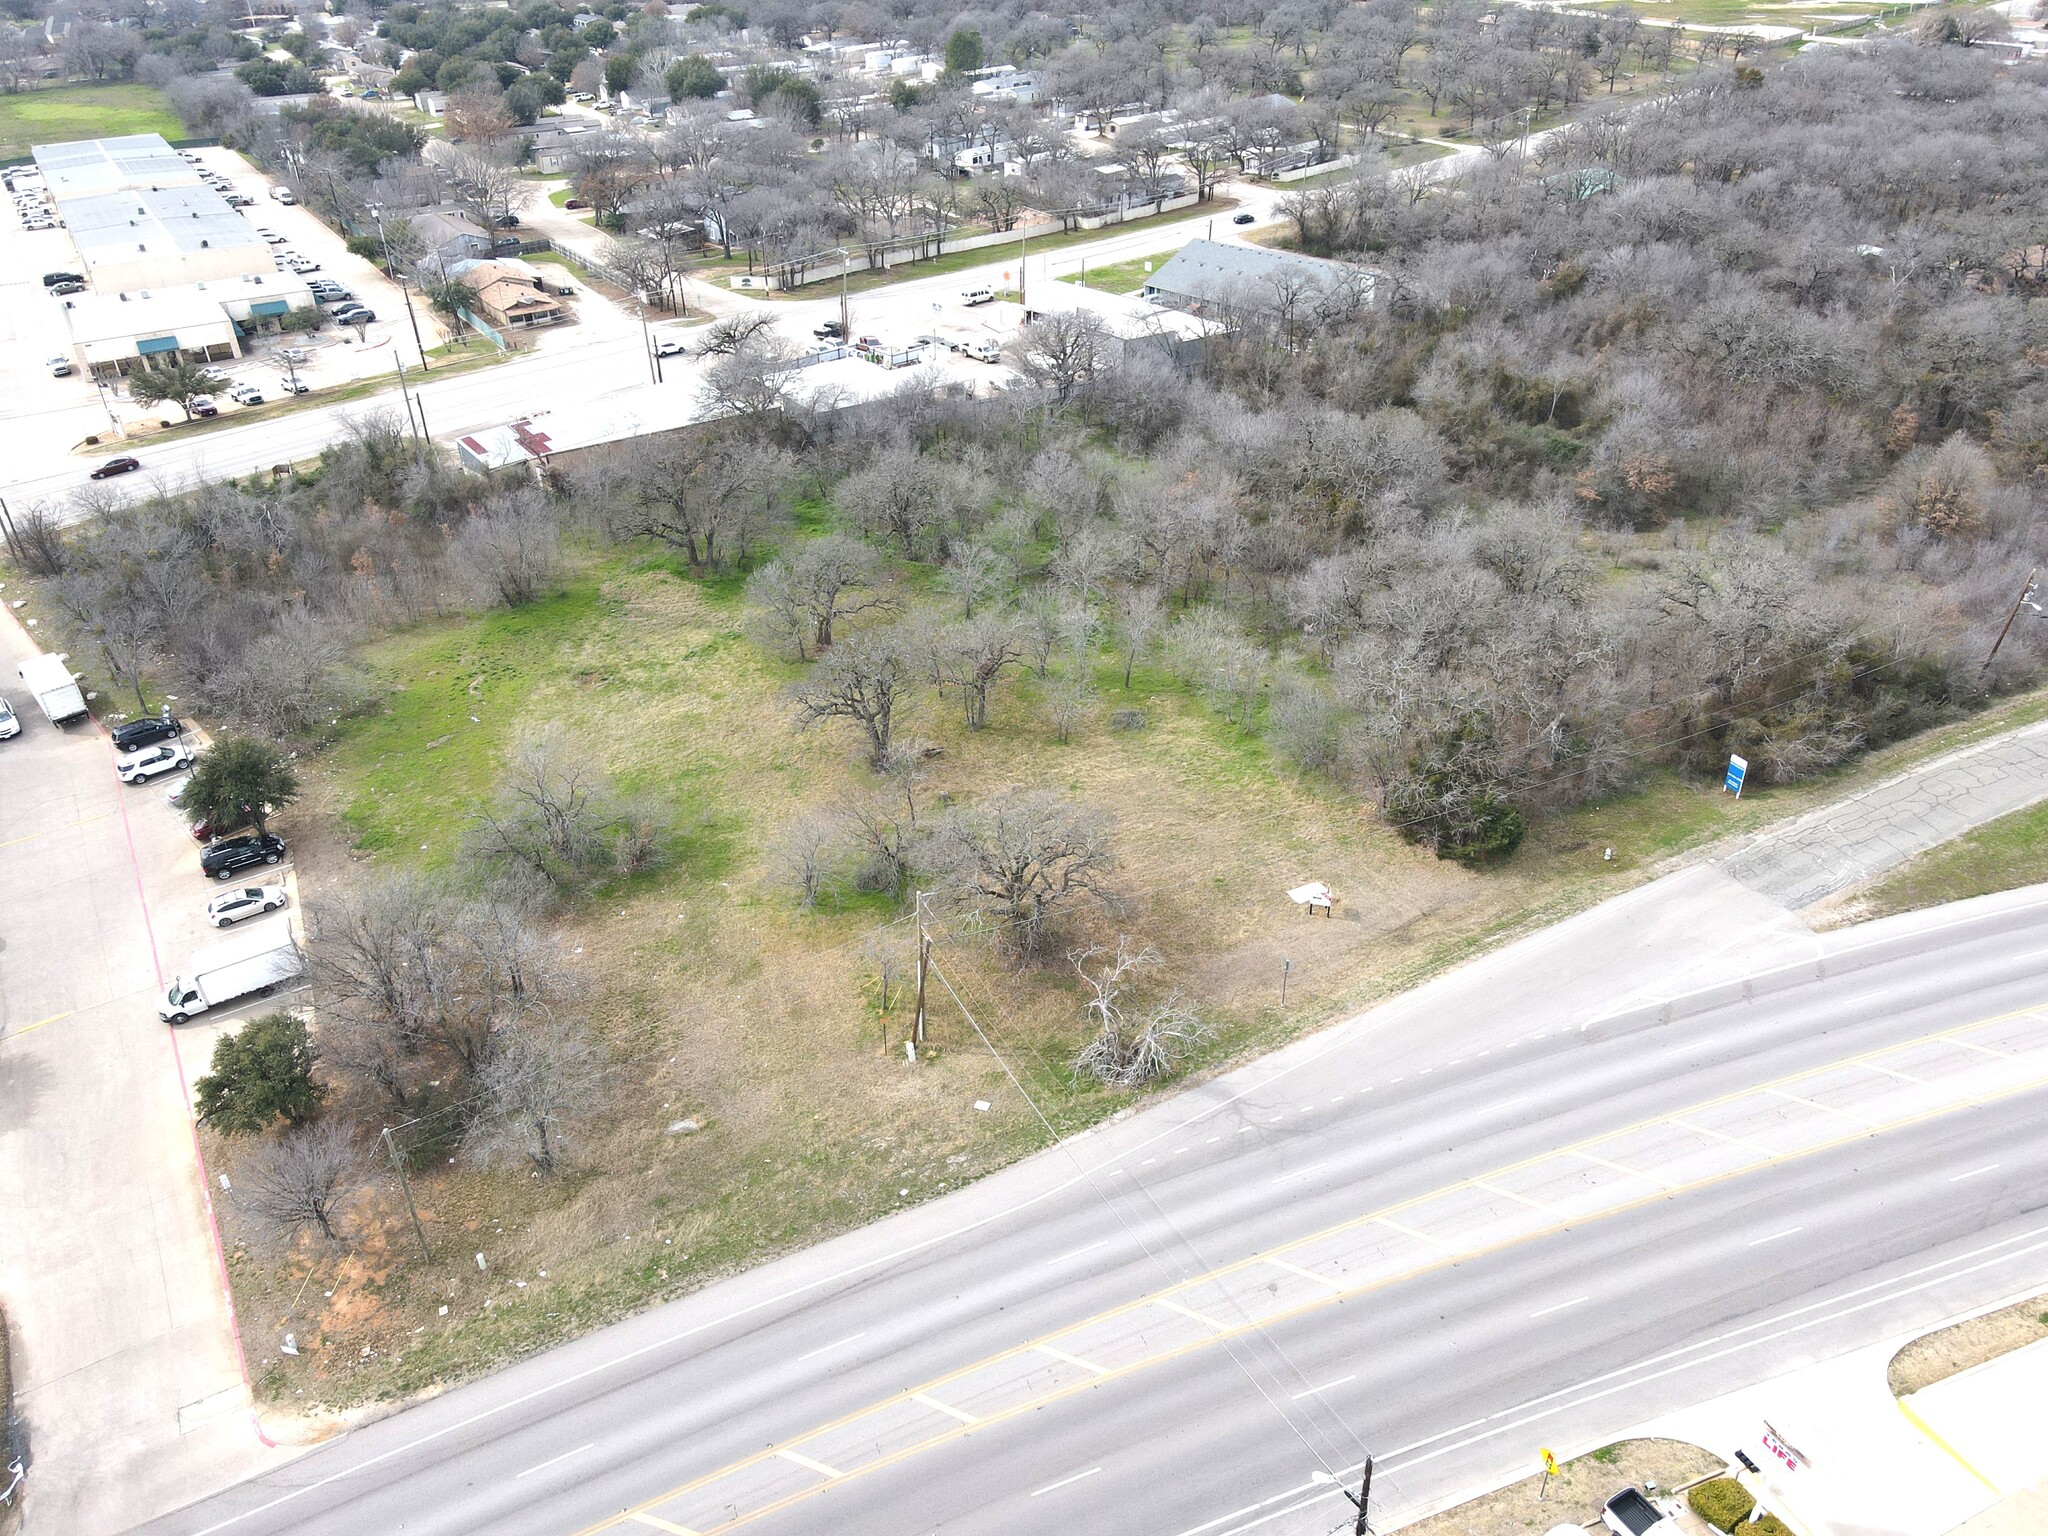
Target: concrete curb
<point>1847,962</point>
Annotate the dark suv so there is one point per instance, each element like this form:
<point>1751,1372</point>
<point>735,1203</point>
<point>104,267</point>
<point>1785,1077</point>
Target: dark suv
<point>233,854</point>
<point>142,733</point>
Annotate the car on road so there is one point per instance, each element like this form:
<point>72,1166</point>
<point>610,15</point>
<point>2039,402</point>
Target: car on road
<point>246,394</point>
<point>1244,218</point>
<point>116,466</point>
<point>292,354</point>
<point>230,855</point>
<point>152,762</point>
<point>974,296</point>
<point>10,724</point>
<point>146,732</point>
<point>249,901</point>
<point>669,346</point>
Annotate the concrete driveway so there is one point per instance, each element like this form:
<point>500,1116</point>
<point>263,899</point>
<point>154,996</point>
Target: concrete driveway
<point>127,1372</point>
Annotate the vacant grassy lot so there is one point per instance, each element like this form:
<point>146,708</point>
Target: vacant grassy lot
<point>82,112</point>
<point>762,1023</point>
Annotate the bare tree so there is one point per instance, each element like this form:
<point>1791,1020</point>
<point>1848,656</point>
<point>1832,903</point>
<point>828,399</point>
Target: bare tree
<point>557,818</point>
<point>511,550</point>
<point>1019,858</point>
<point>1132,1045</point>
<point>801,597</point>
<point>548,1079</point>
<point>1139,615</point>
<point>303,1178</point>
<point>1061,351</point>
<point>970,657</point>
<point>862,680</point>
<point>976,572</point>
<point>734,333</point>
<point>800,851</point>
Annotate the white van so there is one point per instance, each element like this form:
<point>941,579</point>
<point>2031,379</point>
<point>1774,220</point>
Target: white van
<point>283,195</point>
<point>975,296</point>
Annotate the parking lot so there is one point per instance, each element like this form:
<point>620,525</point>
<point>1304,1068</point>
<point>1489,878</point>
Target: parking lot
<point>127,1371</point>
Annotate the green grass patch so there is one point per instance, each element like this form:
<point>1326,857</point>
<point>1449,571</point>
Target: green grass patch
<point>82,112</point>
<point>1120,276</point>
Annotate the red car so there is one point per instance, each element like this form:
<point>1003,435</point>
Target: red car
<point>113,467</point>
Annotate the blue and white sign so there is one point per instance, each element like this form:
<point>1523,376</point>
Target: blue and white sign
<point>1738,770</point>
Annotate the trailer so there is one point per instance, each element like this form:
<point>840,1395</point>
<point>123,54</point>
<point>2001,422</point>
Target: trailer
<point>56,690</point>
<point>254,961</point>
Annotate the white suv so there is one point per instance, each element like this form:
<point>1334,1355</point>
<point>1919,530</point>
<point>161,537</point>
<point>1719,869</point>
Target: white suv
<point>164,757</point>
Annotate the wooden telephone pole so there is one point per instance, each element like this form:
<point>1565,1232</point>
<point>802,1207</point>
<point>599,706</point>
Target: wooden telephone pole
<point>924,965</point>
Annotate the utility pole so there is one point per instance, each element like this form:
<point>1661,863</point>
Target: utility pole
<point>2025,599</point>
<point>924,964</point>
<point>647,341</point>
<point>406,395</point>
<point>405,1187</point>
<point>845,312</point>
<point>1363,1499</point>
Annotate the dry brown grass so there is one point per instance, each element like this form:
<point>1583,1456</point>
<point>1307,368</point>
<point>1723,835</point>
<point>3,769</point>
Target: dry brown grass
<point>1577,1494</point>
<point>1949,1351</point>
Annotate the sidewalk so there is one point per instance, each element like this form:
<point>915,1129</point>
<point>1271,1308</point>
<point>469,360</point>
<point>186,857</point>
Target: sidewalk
<point>1844,844</point>
<point>1967,1454</point>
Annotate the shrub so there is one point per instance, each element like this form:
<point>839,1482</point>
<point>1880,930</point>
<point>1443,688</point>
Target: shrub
<point>1768,1525</point>
<point>259,1074</point>
<point>1722,1502</point>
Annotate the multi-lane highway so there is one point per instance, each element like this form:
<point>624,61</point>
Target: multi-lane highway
<point>1523,1206</point>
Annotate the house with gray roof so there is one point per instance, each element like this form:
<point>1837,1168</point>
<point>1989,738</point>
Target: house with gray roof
<point>1217,281</point>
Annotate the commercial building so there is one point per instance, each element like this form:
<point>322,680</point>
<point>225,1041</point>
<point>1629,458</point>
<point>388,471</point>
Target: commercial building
<point>90,167</point>
<point>113,334</point>
<point>156,237</point>
<point>1206,277</point>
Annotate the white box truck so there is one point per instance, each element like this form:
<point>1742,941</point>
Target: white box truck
<point>254,961</point>
<point>56,690</point>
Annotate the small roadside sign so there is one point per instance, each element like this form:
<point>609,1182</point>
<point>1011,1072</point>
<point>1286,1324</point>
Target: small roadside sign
<point>1738,770</point>
<point>1549,1463</point>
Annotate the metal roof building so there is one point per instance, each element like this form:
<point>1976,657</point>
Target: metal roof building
<point>156,237</point>
<point>116,333</point>
<point>86,167</point>
<point>1206,277</point>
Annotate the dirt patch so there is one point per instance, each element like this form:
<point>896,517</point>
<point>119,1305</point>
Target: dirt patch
<point>1939,1355</point>
<point>1578,1492</point>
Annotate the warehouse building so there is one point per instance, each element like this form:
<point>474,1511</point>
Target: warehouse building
<point>90,167</point>
<point>156,237</point>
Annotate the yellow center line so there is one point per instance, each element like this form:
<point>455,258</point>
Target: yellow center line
<point>83,821</point>
<point>1764,1158</point>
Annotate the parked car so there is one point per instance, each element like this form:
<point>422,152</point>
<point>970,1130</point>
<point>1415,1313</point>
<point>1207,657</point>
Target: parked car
<point>1628,1513</point>
<point>292,354</point>
<point>9,724</point>
<point>338,296</point>
<point>271,237</point>
<point>829,328</point>
<point>249,901</point>
<point>974,296</point>
<point>202,405</point>
<point>152,762</point>
<point>575,202</point>
<point>67,287</point>
<point>246,394</point>
<point>293,386</point>
<point>240,200</point>
<point>1245,218</point>
<point>116,466</point>
<point>355,314</point>
<point>146,732</point>
<point>229,855</point>
<point>60,367</point>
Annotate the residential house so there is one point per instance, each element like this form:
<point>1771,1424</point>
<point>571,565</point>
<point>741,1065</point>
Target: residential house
<point>448,236</point>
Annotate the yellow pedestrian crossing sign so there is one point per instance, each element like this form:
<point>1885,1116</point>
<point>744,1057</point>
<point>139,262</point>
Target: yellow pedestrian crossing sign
<point>1549,1464</point>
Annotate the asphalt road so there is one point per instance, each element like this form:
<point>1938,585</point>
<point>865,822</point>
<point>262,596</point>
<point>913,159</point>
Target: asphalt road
<point>1183,1415</point>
